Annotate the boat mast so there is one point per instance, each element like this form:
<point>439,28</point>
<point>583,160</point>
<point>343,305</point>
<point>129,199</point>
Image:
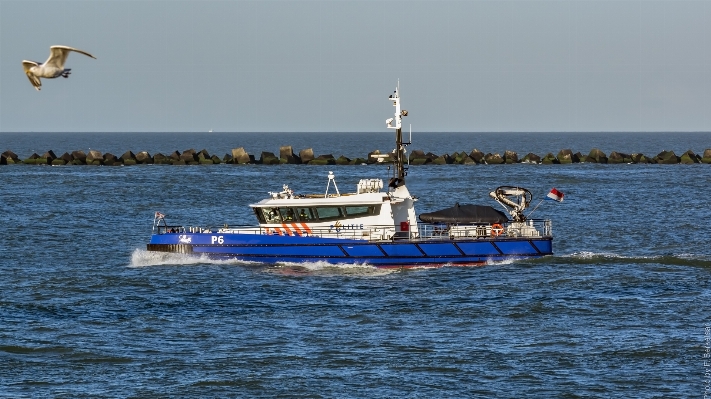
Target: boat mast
<point>399,145</point>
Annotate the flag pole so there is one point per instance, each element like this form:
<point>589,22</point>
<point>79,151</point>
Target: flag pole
<point>536,207</point>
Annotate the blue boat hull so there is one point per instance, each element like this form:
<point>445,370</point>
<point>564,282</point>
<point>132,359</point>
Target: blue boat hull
<point>395,254</point>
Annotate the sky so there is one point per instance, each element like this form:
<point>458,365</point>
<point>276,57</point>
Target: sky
<point>329,66</point>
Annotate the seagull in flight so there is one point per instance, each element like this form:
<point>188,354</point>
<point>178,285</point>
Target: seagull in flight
<point>52,68</point>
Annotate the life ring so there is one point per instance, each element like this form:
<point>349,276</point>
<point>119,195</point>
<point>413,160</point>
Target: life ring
<point>497,229</point>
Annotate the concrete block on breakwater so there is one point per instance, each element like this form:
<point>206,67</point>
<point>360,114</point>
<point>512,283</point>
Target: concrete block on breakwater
<point>531,158</point>
<point>689,157</point>
<point>306,155</point>
<point>706,158</point>
<point>566,156</point>
<point>238,156</point>
<point>286,155</point>
<point>9,158</point>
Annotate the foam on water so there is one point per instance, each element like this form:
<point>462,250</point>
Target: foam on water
<point>322,268</point>
<point>686,259</point>
<point>142,258</point>
<point>510,261</point>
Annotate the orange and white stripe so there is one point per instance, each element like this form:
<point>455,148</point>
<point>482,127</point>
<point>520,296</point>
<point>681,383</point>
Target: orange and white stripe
<point>293,229</point>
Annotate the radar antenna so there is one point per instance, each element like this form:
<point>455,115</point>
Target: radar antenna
<point>399,152</point>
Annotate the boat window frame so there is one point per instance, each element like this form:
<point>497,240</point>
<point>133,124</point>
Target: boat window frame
<point>284,211</point>
<point>371,210</point>
<point>258,214</point>
<point>269,209</point>
<point>310,217</point>
<point>341,213</point>
<point>312,213</point>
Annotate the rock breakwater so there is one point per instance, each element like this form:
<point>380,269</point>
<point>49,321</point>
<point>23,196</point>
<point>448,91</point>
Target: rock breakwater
<point>238,156</point>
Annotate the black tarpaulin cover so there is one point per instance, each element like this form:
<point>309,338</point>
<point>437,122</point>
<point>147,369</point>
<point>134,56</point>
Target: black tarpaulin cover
<point>465,214</point>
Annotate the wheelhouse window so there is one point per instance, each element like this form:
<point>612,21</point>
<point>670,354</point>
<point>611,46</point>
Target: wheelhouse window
<point>271,215</point>
<point>305,214</point>
<point>329,213</point>
<point>287,214</point>
<point>357,211</point>
<point>258,213</point>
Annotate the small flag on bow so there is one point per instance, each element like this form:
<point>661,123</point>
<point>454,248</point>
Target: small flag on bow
<point>555,195</point>
<point>159,215</point>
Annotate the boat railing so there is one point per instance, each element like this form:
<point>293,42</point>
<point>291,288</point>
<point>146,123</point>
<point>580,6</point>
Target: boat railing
<point>372,232</point>
<point>533,228</point>
<point>161,227</point>
<point>168,229</point>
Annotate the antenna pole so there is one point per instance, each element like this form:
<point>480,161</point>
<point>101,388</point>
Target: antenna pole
<point>399,145</point>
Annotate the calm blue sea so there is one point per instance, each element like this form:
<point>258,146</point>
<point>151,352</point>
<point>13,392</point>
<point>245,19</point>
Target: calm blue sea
<point>621,310</point>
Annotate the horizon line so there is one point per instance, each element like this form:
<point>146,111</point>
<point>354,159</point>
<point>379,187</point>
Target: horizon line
<point>359,132</point>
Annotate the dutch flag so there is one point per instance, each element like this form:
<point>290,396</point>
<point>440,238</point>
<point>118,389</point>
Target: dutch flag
<point>555,195</point>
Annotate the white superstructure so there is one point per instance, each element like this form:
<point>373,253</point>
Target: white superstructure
<point>372,211</point>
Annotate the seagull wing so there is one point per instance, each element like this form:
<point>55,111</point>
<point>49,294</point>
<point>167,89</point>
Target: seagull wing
<point>58,55</point>
<point>26,65</point>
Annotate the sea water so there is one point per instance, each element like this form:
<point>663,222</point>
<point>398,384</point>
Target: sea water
<point>620,310</point>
